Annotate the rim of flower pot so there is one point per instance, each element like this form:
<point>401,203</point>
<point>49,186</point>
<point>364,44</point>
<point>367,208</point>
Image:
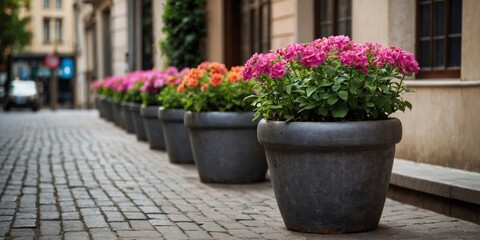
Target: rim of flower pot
<point>149,111</point>
<point>334,134</point>
<point>219,119</point>
<point>135,106</point>
<point>125,104</point>
<point>172,114</point>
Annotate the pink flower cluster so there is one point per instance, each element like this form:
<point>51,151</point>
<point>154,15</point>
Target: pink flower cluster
<point>364,57</point>
<point>147,80</point>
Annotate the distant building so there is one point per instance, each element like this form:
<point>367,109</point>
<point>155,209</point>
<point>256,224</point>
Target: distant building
<point>52,24</point>
<point>115,37</point>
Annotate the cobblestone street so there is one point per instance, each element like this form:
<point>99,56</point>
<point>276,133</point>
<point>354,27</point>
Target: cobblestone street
<point>72,175</point>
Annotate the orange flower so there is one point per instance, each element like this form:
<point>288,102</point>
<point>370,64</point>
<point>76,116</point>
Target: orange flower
<point>171,80</point>
<point>181,87</point>
<point>216,79</point>
<point>204,87</point>
<point>203,65</point>
<point>234,77</point>
<point>218,68</point>
<point>192,81</point>
<point>237,69</point>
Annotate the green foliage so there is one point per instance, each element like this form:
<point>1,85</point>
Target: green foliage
<point>184,27</point>
<point>331,92</point>
<point>171,99</point>
<point>226,97</point>
<point>150,99</point>
<point>133,95</point>
<point>14,34</point>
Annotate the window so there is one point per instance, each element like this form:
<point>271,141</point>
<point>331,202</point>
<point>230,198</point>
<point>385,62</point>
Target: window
<point>58,3</point>
<point>147,35</point>
<point>247,29</point>
<point>333,17</point>
<point>58,30</point>
<point>46,30</point>
<point>46,3</point>
<point>439,37</point>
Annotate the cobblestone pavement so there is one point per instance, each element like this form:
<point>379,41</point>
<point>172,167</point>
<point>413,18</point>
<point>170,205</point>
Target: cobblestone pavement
<point>71,175</point>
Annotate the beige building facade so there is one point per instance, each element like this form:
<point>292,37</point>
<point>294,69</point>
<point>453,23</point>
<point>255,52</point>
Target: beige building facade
<point>443,127</point>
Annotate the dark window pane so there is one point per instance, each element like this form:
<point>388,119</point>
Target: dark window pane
<point>325,10</point>
<point>255,28</point>
<point>265,30</point>
<point>343,8</point>
<point>439,53</point>
<point>245,52</point>
<point>455,16</point>
<point>326,30</point>
<point>454,49</point>
<point>342,28</point>
<point>424,57</point>
<point>439,18</point>
<point>426,19</point>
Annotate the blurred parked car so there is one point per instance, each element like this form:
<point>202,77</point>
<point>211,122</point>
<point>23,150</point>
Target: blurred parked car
<point>22,93</point>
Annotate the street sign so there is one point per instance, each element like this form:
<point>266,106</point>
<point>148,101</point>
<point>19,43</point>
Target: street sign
<point>52,61</point>
<point>66,67</point>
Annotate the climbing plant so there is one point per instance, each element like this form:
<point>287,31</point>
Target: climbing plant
<point>184,28</point>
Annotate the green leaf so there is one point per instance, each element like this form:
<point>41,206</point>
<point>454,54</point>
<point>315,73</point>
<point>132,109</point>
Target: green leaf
<point>340,111</point>
<point>332,99</point>
<point>288,88</point>
<point>310,90</point>
<point>370,104</point>
<point>343,95</point>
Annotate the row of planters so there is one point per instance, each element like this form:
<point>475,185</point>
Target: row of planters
<point>321,110</point>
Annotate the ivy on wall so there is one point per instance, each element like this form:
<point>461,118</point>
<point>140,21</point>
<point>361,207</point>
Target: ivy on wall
<point>184,28</point>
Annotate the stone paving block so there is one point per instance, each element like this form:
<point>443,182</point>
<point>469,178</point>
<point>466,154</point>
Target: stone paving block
<point>135,215</point>
<point>103,234</point>
<point>178,218</point>
<point>141,225</point>
<point>139,234</point>
<point>50,228</point>
<point>77,236</point>
<point>116,226</point>
<point>22,232</point>
<point>72,226</point>
<point>70,216</point>
<point>213,227</point>
<point>25,223</point>
<point>171,232</point>
<point>198,235</point>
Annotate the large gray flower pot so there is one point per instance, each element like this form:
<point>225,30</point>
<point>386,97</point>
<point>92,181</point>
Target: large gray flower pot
<point>137,120</point>
<point>176,135</point>
<point>127,117</point>
<point>330,177</point>
<point>153,127</point>
<point>98,105</point>
<point>225,147</point>
<point>116,113</point>
<point>107,108</point>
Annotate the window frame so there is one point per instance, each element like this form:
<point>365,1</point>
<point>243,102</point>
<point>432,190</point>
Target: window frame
<point>58,30</point>
<point>233,14</point>
<point>58,4</point>
<point>46,37</point>
<point>333,20</point>
<point>46,4</point>
<point>435,72</point>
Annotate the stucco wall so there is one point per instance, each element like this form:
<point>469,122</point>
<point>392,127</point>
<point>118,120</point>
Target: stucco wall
<point>158,35</point>
<point>283,23</point>
<point>470,40</point>
<point>118,28</point>
<point>370,21</point>
<point>215,33</point>
<point>443,127</point>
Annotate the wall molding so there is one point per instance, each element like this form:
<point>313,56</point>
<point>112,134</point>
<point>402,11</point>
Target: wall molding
<point>442,83</point>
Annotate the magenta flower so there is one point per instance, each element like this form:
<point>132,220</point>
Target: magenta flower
<point>291,51</point>
<point>277,70</point>
<point>312,57</point>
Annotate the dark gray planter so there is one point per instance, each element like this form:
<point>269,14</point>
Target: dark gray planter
<point>137,120</point>
<point>153,127</point>
<point>127,117</point>
<point>98,106</point>
<point>225,147</point>
<point>116,113</point>
<point>330,177</point>
<point>176,135</point>
<point>108,109</point>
